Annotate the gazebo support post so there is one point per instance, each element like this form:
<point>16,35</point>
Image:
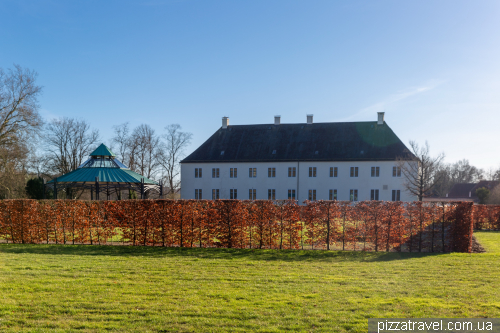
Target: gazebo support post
<point>97,188</point>
<point>161,189</point>
<point>107,191</point>
<point>44,184</point>
<point>55,188</point>
<point>142,188</point>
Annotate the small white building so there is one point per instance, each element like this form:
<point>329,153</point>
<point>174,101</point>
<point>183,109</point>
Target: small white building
<point>310,161</point>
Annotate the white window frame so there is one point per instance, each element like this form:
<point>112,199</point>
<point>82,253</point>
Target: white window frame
<point>332,194</point>
<point>354,172</point>
<point>233,172</point>
<point>311,195</point>
<point>252,172</point>
<point>396,195</point>
<point>271,172</point>
<point>396,171</point>
<point>215,172</point>
<point>353,195</point>
<point>197,172</point>
<point>334,172</point>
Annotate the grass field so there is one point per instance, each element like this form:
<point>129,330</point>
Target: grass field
<point>57,288</point>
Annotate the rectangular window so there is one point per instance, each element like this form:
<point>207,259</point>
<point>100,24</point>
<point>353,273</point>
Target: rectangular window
<point>332,195</point>
<point>374,195</point>
<point>252,172</point>
<point>292,172</point>
<point>334,172</point>
<point>215,194</point>
<point>252,194</point>
<point>271,194</point>
<point>197,194</point>
<point>215,172</point>
<point>197,172</point>
<point>353,195</point>
<point>291,194</point>
<point>354,171</point>
<point>233,194</point>
<point>375,171</point>
<point>396,171</point>
<point>396,195</point>
<point>233,173</point>
<point>271,172</point>
<point>312,195</point>
<point>312,171</point>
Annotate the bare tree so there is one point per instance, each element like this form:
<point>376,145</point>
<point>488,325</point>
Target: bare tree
<point>144,151</point>
<point>139,150</point>
<point>492,174</point>
<point>445,182</point>
<point>420,170</point>
<point>18,105</point>
<point>176,142</point>
<point>121,141</point>
<point>68,143</point>
<point>494,197</point>
<point>463,172</point>
<point>13,172</point>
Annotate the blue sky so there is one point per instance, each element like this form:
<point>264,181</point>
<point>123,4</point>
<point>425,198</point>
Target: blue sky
<point>432,66</point>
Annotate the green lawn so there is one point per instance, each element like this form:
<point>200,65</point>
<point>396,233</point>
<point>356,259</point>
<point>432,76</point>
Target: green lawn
<point>490,240</point>
<point>57,288</point>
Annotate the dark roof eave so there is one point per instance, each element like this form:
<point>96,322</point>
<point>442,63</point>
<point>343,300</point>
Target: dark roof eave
<point>295,160</point>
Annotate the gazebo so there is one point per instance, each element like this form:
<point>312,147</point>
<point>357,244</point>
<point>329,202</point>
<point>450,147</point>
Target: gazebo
<point>102,173</point>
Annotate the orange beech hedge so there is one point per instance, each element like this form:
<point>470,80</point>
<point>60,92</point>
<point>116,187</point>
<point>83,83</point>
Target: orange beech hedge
<point>486,217</point>
<point>263,224</point>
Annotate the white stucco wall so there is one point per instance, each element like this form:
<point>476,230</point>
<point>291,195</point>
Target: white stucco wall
<point>322,183</point>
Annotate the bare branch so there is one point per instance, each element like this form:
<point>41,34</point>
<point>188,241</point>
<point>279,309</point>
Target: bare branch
<point>18,105</point>
<point>172,153</point>
<point>420,170</point>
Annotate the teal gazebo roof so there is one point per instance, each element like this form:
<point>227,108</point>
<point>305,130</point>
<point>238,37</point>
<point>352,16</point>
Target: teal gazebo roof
<point>111,175</point>
<point>102,150</point>
<point>103,164</point>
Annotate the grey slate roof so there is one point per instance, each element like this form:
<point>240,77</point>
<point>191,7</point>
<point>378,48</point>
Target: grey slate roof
<point>348,141</point>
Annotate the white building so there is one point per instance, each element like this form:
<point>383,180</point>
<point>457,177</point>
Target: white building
<point>309,161</point>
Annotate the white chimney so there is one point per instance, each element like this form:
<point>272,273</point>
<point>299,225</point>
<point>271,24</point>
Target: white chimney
<point>380,120</point>
<point>309,119</point>
<point>277,120</point>
<point>225,122</point>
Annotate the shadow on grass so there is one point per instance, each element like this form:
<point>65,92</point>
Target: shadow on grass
<point>209,253</point>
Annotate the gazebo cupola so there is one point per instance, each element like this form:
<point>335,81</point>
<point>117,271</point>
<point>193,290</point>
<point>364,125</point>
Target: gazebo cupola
<point>103,173</point>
